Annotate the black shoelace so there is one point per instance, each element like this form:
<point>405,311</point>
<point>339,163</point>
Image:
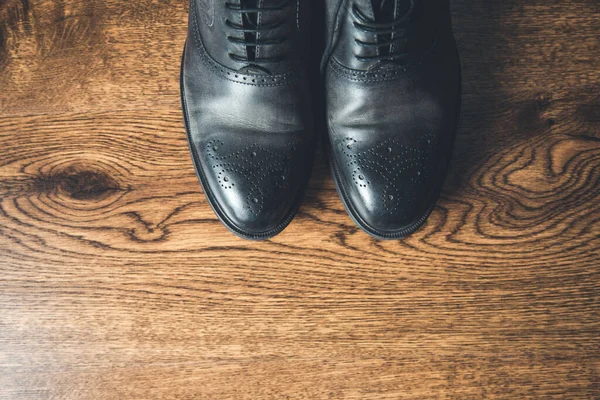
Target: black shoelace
<point>386,34</point>
<point>251,31</point>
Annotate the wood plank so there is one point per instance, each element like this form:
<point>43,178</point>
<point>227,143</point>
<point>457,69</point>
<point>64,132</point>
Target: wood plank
<point>117,282</point>
<point>58,56</point>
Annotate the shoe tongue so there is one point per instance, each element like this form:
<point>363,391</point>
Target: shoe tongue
<point>383,10</point>
<point>254,69</point>
<point>386,10</point>
<point>255,20</point>
<point>383,66</point>
<point>270,3</point>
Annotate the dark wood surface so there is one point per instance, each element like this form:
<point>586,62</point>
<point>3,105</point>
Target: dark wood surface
<point>117,281</point>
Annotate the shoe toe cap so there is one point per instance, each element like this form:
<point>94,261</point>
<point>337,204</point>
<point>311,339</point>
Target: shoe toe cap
<point>254,186</point>
<point>388,187</point>
<point>385,208</point>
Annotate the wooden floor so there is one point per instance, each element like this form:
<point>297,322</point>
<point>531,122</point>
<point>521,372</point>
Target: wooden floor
<point>117,281</point>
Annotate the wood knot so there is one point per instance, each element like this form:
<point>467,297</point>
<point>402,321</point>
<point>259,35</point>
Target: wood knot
<point>543,100</point>
<point>88,184</point>
<point>80,183</point>
<point>532,115</point>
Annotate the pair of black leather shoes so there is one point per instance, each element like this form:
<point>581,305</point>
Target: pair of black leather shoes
<point>392,87</point>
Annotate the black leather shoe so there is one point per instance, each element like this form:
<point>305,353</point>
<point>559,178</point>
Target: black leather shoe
<point>392,77</point>
<point>246,107</point>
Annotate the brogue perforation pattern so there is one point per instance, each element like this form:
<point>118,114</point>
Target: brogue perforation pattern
<point>390,163</point>
<point>260,175</point>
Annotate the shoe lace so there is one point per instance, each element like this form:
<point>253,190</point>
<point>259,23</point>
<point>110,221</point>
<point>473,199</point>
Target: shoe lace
<point>386,33</point>
<point>251,30</point>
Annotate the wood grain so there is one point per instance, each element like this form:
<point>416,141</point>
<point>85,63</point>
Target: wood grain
<point>117,282</point>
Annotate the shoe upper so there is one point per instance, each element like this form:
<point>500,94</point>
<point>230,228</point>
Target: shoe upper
<point>392,78</point>
<point>247,112</point>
